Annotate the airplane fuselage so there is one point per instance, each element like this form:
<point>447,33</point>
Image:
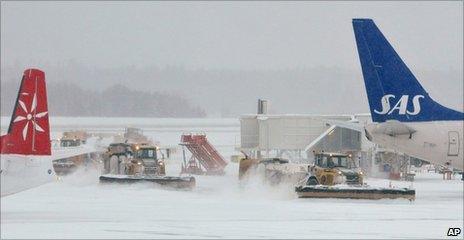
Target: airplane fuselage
<point>437,142</point>
<point>22,172</point>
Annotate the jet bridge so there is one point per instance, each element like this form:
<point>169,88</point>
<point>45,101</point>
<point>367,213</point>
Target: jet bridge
<point>296,136</point>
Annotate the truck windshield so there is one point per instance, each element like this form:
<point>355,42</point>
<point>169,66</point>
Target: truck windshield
<point>146,153</point>
<point>340,161</point>
<point>333,161</point>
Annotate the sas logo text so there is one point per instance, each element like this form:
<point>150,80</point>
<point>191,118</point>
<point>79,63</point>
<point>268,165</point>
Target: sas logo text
<point>401,105</point>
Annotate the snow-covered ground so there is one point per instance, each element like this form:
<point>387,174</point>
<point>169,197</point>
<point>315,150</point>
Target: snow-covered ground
<point>77,206</point>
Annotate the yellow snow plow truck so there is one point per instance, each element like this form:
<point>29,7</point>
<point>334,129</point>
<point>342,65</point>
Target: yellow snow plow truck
<point>334,168</point>
<point>335,175</point>
<point>129,163</point>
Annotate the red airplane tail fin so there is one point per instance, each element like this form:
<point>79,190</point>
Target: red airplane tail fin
<point>29,131</point>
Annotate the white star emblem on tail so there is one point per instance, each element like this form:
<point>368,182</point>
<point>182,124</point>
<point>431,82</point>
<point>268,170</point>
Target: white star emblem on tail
<point>30,116</point>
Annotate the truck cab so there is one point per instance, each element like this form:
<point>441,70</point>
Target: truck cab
<point>150,160</point>
<point>134,159</point>
<point>334,168</point>
<point>73,138</point>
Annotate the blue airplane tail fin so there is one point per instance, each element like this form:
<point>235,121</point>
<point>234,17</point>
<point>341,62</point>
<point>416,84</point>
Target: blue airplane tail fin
<point>392,90</point>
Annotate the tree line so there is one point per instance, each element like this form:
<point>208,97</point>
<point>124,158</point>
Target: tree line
<point>66,99</point>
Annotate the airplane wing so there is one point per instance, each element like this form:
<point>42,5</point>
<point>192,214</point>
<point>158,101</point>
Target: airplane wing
<point>60,153</point>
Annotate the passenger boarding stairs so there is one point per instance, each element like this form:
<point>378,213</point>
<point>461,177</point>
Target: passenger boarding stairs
<point>205,158</point>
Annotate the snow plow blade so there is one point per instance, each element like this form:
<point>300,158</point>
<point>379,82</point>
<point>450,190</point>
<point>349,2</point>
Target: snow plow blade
<point>354,193</point>
<point>174,182</point>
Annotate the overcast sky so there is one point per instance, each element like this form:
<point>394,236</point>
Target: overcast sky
<point>232,35</point>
